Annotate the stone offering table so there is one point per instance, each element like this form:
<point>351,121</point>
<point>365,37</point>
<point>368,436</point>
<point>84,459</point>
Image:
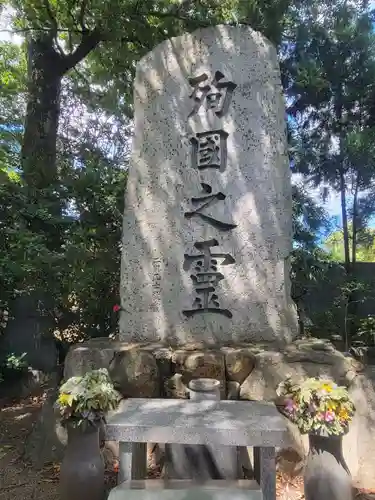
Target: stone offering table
<point>223,423</point>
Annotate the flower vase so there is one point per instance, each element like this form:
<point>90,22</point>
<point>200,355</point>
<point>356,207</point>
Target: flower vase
<point>82,469</point>
<point>326,475</point>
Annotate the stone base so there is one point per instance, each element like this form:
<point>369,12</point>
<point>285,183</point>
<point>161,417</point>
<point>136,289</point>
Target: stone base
<point>247,372</point>
<point>186,490</point>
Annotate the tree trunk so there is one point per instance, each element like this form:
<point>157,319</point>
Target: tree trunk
<point>38,153</point>
<point>353,297</point>
<point>29,330</point>
<point>354,224</point>
<point>42,115</point>
<point>338,109</point>
<point>46,68</point>
<point>345,221</point>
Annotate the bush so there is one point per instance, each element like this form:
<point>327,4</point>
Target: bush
<point>14,367</point>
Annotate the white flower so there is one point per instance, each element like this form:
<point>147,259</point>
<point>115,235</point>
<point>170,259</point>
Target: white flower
<point>93,394</point>
<point>71,384</point>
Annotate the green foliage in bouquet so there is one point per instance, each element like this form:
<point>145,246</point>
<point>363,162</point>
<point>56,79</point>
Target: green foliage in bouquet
<point>87,399</point>
<point>317,406</point>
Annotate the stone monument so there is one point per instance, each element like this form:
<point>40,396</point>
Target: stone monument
<point>207,229</point>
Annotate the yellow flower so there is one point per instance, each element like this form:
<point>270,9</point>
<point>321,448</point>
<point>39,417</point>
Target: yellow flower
<point>65,399</point>
<point>326,387</point>
<point>331,406</point>
<point>343,414</point>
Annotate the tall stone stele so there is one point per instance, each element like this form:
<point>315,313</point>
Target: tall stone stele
<point>208,214</point>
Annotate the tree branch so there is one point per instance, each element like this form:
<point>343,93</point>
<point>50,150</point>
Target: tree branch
<point>28,30</point>
<point>81,16</point>
<point>89,41</point>
<point>176,15</point>
<point>51,16</point>
<point>55,26</point>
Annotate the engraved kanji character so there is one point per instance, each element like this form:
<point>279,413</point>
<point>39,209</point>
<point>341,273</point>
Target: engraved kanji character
<point>217,95</point>
<point>206,278</point>
<point>206,201</point>
<point>209,150</point>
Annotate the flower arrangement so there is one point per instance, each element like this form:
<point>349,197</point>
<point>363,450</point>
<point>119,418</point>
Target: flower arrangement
<point>87,399</point>
<point>317,406</point>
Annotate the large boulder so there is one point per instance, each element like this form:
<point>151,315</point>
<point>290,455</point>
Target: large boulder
<point>233,390</point>
<point>360,442</point>
<point>163,358</point>
<point>135,374</point>
<point>47,440</point>
<point>239,363</point>
<point>193,365</point>
<point>174,387</point>
<point>308,358</point>
<point>91,355</point>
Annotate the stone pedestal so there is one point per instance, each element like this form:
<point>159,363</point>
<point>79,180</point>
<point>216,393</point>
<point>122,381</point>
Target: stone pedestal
<point>208,219</point>
<point>247,372</point>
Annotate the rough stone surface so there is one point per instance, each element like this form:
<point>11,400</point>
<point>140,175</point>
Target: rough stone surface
<point>299,362</point>
<point>239,363</point>
<point>163,358</point>
<point>201,365</point>
<point>359,444</point>
<point>233,390</point>
<point>188,490</point>
<point>174,387</point>
<point>300,359</point>
<point>246,217</point>
<point>47,441</point>
<point>135,374</point>
<point>110,452</point>
<point>227,423</point>
<point>289,462</point>
<point>87,356</point>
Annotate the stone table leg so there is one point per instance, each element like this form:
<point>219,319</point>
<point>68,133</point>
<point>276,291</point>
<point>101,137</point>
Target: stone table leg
<point>265,471</point>
<point>132,461</point>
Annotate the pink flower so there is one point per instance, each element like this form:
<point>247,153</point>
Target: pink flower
<point>116,308</point>
<point>329,416</point>
<point>290,405</point>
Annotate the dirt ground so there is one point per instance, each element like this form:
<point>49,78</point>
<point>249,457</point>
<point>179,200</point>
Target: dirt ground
<point>19,481</point>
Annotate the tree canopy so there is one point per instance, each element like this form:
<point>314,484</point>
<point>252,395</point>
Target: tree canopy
<point>329,80</point>
<point>365,247</point>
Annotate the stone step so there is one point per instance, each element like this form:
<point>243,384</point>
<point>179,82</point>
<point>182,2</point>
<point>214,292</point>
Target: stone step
<point>155,489</point>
